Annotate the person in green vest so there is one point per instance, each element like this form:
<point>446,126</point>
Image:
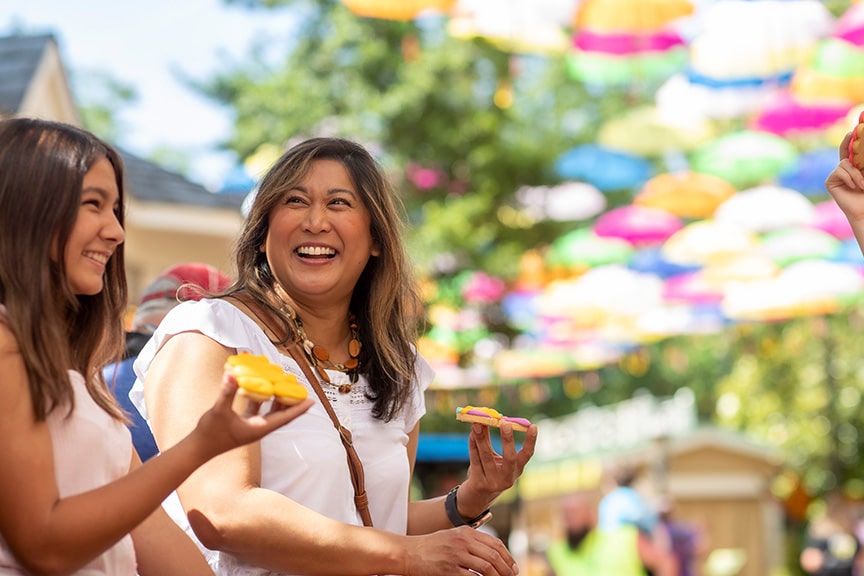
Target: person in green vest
<point>588,550</point>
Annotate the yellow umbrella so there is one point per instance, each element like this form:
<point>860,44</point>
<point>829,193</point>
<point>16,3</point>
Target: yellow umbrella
<point>396,9</point>
<point>685,194</point>
<point>630,15</point>
<point>645,131</point>
<point>707,241</point>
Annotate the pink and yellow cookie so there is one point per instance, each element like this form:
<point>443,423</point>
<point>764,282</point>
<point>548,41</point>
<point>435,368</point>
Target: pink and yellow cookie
<point>490,417</point>
<point>856,144</point>
<point>260,380</point>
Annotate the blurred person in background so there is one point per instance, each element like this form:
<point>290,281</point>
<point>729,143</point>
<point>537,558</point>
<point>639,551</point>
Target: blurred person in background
<point>831,547</point>
<point>589,549</point>
<point>187,281</point>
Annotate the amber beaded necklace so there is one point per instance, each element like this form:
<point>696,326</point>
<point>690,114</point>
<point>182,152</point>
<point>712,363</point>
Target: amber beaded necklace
<point>319,356</point>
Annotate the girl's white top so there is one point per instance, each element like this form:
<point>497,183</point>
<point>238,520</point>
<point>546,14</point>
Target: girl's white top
<point>91,449</point>
<point>305,460</point>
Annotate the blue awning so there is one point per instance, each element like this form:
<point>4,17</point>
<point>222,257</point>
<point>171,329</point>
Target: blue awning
<point>447,447</point>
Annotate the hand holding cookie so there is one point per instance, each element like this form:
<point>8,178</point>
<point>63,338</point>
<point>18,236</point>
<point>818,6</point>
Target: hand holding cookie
<point>260,380</point>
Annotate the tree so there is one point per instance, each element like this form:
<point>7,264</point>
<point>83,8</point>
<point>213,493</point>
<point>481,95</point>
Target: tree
<point>426,102</point>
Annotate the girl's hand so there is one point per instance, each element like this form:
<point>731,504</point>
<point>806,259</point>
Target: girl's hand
<point>222,429</point>
<point>490,473</point>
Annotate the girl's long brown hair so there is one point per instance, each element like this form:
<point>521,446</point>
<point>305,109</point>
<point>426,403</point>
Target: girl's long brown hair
<point>42,168</point>
<point>386,300</point>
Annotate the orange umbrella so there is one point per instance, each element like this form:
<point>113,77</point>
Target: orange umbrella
<point>687,194</point>
<point>396,9</point>
<point>630,15</point>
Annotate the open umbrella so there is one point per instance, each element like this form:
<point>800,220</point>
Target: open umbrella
<point>792,245</point>
<point>637,225</point>
<point>646,131</point>
<point>630,15</point>
<point>564,202</point>
<point>706,241</point>
<point>685,194</point>
<point>745,158</point>
<point>396,9</point>
<point>829,218</point>
<point>788,117</point>
<point>581,249</point>
<point>807,288</point>
<point>765,208</point>
<point>809,171</point>
<point>603,167</point>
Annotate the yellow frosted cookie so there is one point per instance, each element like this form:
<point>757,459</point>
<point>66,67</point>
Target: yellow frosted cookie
<point>260,380</point>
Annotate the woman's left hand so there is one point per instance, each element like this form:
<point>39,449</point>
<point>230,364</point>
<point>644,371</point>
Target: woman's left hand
<point>490,473</point>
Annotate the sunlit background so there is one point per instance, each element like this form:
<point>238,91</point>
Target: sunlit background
<point>616,207</point>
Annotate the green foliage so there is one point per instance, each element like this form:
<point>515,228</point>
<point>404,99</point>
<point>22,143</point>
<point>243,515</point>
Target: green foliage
<point>478,123</point>
<point>100,97</point>
<point>426,100</point>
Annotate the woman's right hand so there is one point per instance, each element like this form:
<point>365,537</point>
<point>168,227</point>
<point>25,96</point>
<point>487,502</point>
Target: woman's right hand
<point>846,186</point>
<point>459,551</point>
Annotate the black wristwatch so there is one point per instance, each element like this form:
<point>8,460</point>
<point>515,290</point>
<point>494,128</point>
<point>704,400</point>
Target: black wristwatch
<point>456,518</point>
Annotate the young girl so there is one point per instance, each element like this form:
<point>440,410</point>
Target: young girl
<point>74,498</point>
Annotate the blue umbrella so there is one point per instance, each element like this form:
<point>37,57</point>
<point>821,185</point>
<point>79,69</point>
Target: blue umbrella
<point>651,261</point>
<point>809,172</point>
<point>605,168</point>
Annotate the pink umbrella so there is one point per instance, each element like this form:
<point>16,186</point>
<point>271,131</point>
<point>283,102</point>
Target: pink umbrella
<point>691,288</point>
<point>787,116</point>
<point>829,218</point>
<point>850,26</point>
<point>638,225</point>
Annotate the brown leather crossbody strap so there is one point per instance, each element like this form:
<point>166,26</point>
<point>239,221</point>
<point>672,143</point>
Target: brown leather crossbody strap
<point>355,465</point>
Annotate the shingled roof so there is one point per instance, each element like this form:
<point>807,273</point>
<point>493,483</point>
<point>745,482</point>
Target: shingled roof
<point>20,56</point>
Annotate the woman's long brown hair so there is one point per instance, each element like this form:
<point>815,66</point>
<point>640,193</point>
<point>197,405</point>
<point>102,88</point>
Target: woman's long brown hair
<point>386,300</point>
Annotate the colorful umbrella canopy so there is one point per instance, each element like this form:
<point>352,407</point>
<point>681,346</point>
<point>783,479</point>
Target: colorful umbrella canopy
<point>630,15</point>
<point>396,9</point>
<point>788,117</point>
<point>707,241</point>
<point>650,260</point>
<point>766,208</point>
<point>850,26</point>
<point>605,168</point>
<point>646,131</point>
<point>685,194</point>
<point>792,245</point>
<point>745,158</point>
<point>761,39</point>
<point>601,69</point>
<point>567,201</point>
<point>809,171</point>
<point>829,218</point>
<point>806,288</point>
<point>581,249</point>
<point>522,26</point>
<point>638,225</point>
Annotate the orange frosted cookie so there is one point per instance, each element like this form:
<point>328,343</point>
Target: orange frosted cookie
<point>490,417</point>
<point>856,144</point>
<point>260,380</point>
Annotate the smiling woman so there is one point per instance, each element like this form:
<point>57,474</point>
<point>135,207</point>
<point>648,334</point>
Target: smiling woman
<point>325,290</point>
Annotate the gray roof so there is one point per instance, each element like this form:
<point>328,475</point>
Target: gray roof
<point>152,183</point>
<point>19,58</point>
